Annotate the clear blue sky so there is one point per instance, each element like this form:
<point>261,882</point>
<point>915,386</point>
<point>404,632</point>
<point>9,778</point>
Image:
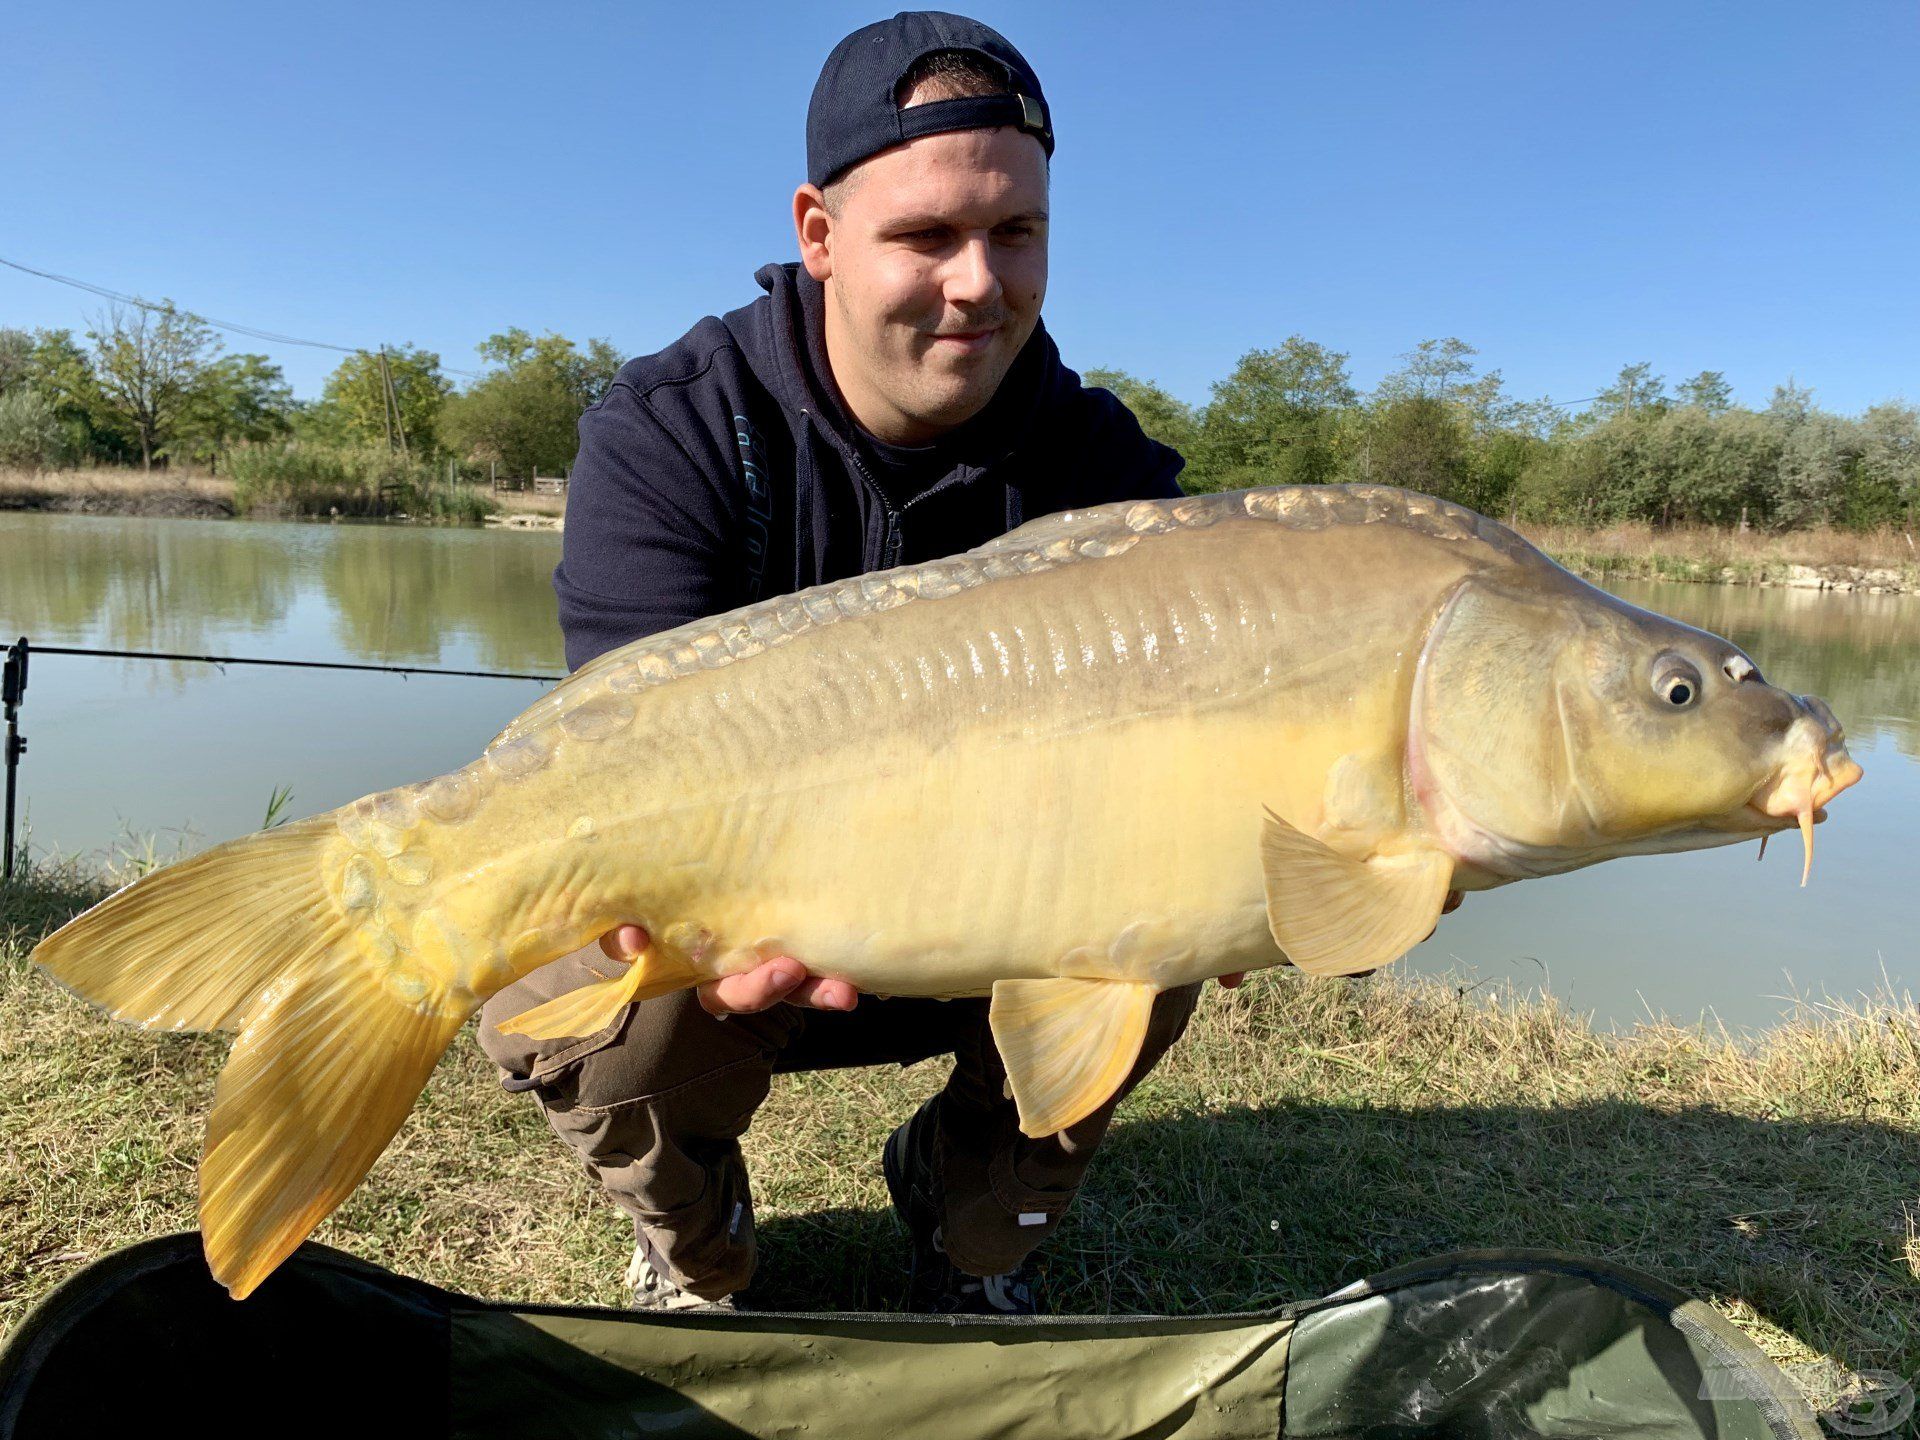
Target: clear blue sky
<point>1730,186</point>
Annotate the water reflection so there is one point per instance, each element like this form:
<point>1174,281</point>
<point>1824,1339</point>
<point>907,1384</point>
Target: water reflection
<point>140,585</point>
<point>395,598</point>
<point>390,593</point>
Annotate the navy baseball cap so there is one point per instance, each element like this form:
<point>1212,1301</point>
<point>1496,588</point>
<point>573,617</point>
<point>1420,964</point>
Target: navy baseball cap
<point>853,115</point>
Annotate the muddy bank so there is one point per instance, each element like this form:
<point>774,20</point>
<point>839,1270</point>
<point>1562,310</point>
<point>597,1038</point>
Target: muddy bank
<point>1864,579</point>
<point>159,503</point>
<point>524,522</point>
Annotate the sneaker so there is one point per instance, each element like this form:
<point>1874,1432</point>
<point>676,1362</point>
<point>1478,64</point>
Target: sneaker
<point>935,1286</point>
<point>654,1289</point>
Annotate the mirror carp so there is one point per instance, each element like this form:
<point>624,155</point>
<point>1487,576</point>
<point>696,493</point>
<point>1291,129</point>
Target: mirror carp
<point>1114,751</point>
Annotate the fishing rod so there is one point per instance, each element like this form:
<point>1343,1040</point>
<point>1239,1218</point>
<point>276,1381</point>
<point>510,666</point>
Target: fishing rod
<point>13,692</point>
<point>13,689</point>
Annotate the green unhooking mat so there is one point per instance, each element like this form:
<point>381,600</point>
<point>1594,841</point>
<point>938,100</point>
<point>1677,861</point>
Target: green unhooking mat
<point>1489,1343</point>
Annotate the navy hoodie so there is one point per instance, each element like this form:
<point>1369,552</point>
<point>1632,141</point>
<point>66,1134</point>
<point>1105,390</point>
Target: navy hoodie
<point>724,470</point>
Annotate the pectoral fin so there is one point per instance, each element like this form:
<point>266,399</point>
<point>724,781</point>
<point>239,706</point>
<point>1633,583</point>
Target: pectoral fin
<point>1338,916</point>
<point>592,1008</point>
<point>1067,1044</point>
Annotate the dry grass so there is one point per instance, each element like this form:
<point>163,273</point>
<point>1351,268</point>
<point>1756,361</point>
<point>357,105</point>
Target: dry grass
<point>1702,552</point>
<point>526,502</point>
<point>116,491</point>
<point>1304,1134</point>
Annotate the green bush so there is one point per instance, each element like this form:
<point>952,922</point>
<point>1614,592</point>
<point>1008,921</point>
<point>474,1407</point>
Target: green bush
<point>304,477</point>
<point>32,436</point>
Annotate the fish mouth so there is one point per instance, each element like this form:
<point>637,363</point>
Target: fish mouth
<point>1800,790</point>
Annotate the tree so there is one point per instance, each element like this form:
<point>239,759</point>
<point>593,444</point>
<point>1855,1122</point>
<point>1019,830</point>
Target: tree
<point>1791,404</point>
<point>1443,370</point>
<point>522,415</point>
<point>1434,369</point>
<point>1708,391</point>
<point>146,362</point>
<point>1817,453</point>
<point>1719,467</point>
<point>31,436</point>
<point>1419,442</point>
<point>1886,480</point>
<point>58,369</point>
<point>16,358</point>
<point>357,396</point>
<point>235,398</point>
<point>1274,420</point>
<point>1636,391</point>
<point>1166,419</point>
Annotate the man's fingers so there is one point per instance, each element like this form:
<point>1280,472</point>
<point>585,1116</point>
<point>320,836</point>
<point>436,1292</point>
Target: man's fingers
<point>753,990</point>
<point>624,943</point>
<point>1454,897</point>
<point>820,993</point>
<point>780,979</point>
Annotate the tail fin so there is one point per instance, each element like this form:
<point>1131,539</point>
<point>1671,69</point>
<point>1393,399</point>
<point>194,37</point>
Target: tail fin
<point>315,1087</point>
<point>328,1061</point>
<point>192,947</point>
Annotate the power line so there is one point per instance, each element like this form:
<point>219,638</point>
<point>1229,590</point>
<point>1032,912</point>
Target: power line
<point>273,337</point>
<point>254,332</point>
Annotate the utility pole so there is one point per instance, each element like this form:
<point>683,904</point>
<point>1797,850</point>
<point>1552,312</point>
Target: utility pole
<point>394,422</point>
<point>386,398</point>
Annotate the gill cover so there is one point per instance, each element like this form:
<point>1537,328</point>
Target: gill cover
<point>1491,753</point>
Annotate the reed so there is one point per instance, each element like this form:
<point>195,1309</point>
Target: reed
<point>301,478</point>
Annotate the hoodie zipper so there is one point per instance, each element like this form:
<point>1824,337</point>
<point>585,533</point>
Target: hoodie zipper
<point>892,540</point>
<point>895,539</point>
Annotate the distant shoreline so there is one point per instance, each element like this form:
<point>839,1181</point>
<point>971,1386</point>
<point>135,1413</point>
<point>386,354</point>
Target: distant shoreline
<point>191,495</point>
<point>1880,562</point>
<point>1875,562</point>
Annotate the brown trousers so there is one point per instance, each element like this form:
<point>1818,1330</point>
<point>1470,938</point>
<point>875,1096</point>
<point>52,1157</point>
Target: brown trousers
<point>656,1103</point>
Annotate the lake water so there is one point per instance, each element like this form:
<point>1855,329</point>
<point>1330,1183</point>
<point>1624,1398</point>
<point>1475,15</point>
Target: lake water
<point>190,754</point>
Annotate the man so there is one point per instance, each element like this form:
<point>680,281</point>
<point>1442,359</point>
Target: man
<point>892,398</point>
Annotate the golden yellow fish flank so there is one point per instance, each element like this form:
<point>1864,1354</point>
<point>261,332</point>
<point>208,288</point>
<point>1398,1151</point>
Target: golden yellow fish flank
<point>1115,751</point>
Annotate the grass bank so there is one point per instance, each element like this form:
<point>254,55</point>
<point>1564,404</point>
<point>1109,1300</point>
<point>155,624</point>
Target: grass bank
<point>1303,1135</point>
<point>164,493</point>
<point>1887,560</point>
<point>267,482</point>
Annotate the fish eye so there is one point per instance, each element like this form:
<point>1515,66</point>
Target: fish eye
<point>1676,682</point>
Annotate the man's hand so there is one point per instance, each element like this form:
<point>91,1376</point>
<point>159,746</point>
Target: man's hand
<point>782,978</point>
